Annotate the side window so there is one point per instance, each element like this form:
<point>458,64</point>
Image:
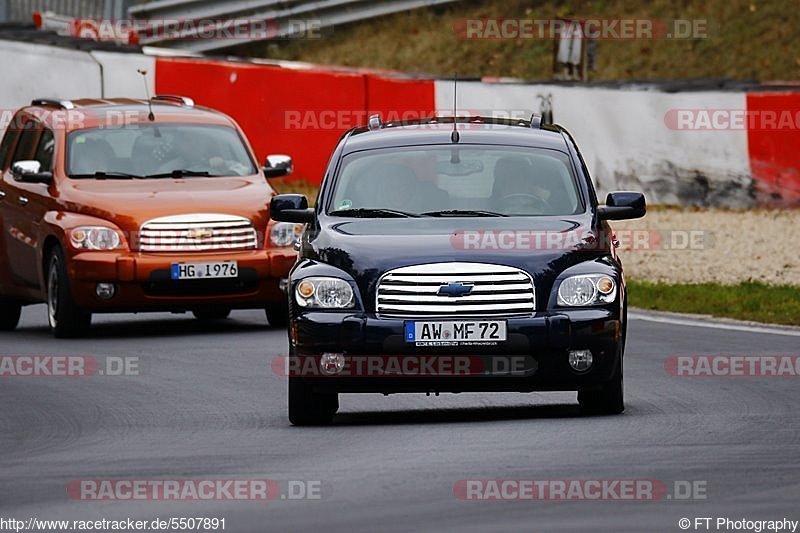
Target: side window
<point>592,190</point>
<point>5,147</point>
<point>44,152</point>
<point>585,169</point>
<point>27,142</point>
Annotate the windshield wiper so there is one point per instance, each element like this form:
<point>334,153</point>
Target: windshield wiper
<point>365,212</point>
<point>101,175</point>
<point>182,173</point>
<point>463,213</point>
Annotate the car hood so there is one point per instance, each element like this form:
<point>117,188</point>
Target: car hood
<point>368,248</point>
<point>129,203</point>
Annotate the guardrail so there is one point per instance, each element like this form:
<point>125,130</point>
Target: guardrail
<point>234,17</point>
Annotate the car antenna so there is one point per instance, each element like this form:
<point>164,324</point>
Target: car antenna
<point>150,116</point>
<point>455,136</point>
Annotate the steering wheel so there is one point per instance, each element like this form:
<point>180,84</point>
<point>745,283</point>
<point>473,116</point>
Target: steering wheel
<point>524,199</point>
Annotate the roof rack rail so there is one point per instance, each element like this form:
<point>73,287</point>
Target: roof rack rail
<point>183,100</point>
<point>54,102</point>
<point>375,122</point>
<point>536,121</point>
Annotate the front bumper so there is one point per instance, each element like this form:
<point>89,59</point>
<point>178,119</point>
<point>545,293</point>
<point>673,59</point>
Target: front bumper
<point>537,350</point>
<point>143,280</point>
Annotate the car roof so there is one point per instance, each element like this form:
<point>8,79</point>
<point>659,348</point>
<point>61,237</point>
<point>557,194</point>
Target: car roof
<point>439,131</point>
<point>85,113</point>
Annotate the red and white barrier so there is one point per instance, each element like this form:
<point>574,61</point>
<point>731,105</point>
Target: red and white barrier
<point>302,111</point>
<point>712,148</point>
<point>774,152</point>
<point>683,148</point>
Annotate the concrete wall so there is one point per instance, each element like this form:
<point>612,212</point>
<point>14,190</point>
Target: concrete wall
<point>626,141</point>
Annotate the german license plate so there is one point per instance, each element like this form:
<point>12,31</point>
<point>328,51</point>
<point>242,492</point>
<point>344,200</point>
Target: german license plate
<point>455,332</point>
<point>216,270</point>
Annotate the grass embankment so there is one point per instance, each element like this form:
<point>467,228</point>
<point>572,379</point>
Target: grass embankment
<point>746,39</point>
<point>758,302</point>
<point>283,186</point>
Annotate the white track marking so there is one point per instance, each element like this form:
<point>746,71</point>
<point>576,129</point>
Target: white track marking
<point>704,323</point>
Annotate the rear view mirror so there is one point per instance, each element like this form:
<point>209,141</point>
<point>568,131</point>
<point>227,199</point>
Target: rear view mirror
<point>30,172</point>
<point>623,206</point>
<point>278,166</point>
<point>290,208</point>
<point>461,168</point>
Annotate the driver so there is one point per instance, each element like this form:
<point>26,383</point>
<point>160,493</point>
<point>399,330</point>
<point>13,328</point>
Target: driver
<point>515,185</point>
<point>184,155</point>
<point>191,152</point>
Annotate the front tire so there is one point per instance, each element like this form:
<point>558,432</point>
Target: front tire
<point>607,398</point>
<point>10,312</point>
<point>307,408</point>
<point>66,319</point>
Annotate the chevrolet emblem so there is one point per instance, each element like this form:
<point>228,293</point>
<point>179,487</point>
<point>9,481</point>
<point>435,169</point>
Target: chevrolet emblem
<point>455,290</point>
<point>200,233</point>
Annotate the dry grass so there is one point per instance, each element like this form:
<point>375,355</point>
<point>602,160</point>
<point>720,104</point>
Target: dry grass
<point>747,39</point>
<point>729,246</point>
<point>294,186</point>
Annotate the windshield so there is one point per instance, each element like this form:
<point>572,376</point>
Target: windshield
<point>456,181</point>
<point>157,150</point>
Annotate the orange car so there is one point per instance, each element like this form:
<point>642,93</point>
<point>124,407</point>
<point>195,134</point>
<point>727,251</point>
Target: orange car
<point>127,205</point>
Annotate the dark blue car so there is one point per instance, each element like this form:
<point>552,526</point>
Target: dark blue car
<point>456,255</point>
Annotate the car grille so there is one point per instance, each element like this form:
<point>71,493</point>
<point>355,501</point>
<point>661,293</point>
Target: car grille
<point>197,233</point>
<point>440,289</point>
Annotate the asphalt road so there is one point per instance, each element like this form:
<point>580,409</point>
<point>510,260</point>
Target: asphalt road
<point>206,404</point>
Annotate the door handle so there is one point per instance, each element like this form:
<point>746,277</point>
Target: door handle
<point>23,200</point>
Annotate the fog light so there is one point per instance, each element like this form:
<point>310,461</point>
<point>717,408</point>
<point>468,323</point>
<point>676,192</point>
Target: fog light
<point>106,291</point>
<point>580,360</point>
<point>331,363</point>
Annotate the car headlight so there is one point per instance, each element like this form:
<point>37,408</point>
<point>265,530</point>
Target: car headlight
<point>325,293</point>
<point>95,238</point>
<point>285,233</point>
<point>587,289</point>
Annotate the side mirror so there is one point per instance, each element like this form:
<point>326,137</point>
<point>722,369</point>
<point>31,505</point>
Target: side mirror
<point>623,206</point>
<point>290,208</point>
<point>30,172</point>
<point>278,166</point>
